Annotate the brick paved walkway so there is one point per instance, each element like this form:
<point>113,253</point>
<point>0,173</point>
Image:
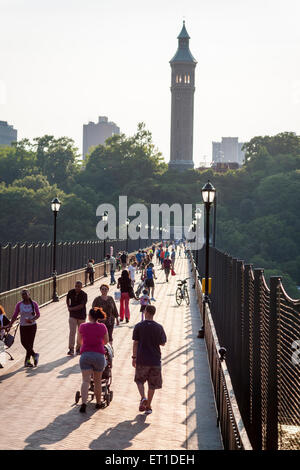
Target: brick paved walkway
<point>41,413</point>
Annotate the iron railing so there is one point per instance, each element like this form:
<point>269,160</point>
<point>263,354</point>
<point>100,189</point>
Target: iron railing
<point>27,263</point>
<point>260,328</point>
<point>42,291</point>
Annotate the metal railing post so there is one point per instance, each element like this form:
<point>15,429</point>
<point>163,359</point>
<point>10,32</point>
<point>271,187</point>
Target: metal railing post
<point>272,401</point>
<point>256,405</point>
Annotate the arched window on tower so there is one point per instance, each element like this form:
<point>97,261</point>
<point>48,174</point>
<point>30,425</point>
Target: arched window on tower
<point>188,79</point>
<point>185,79</point>
<point>179,79</point>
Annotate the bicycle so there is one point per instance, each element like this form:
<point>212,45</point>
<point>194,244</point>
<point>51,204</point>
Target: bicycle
<point>182,292</point>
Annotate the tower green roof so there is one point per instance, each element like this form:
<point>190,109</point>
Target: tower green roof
<point>183,53</point>
<point>183,32</point>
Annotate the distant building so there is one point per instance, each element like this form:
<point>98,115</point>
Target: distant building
<point>97,133</point>
<point>183,67</point>
<point>222,167</point>
<point>228,151</point>
<point>7,133</point>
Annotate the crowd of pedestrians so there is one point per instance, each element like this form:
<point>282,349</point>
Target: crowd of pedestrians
<point>89,338</point>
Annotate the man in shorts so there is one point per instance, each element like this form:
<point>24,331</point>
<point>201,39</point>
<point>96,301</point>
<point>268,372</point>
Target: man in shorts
<point>147,337</point>
<point>76,302</point>
<point>149,281</point>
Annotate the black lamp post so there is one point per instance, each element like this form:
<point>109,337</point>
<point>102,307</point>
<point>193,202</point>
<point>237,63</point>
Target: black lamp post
<point>127,223</point>
<point>104,218</point>
<point>215,220</point>
<point>208,195</point>
<point>197,219</point>
<point>55,206</point>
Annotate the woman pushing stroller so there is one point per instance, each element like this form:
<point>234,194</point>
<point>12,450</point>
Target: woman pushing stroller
<point>94,336</point>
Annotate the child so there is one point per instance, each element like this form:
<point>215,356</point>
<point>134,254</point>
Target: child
<point>4,322</point>
<point>144,301</point>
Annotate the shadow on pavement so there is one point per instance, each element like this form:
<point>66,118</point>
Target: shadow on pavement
<point>121,436</point>
<point>59,429</point>
<point>11,374</point>
<point>75,369</point>
<point>48,367</point>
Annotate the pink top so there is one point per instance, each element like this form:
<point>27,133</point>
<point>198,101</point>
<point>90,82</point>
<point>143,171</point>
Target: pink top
<point>92,337</point>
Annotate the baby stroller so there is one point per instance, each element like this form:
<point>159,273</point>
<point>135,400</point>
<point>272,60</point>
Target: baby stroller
<point>7,340</point>
<point>107,394</point>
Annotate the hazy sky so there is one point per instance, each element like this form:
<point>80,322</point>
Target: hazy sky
<point>65,62</point>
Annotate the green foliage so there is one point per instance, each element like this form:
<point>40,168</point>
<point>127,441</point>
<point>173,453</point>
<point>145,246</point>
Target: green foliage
<point>257,205</point>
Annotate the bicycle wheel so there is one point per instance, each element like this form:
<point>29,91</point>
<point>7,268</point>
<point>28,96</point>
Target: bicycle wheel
<point>178,296</point>
<point>186,296</point>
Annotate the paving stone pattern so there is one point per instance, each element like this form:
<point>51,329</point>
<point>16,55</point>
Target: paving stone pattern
<point>40,411</point>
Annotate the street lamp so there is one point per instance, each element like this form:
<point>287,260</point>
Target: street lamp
<point>104,218</point>
<point>197,219</point>
<point>208,196</point>
<point>215,220</point>
<point>127,223</point>
<point>55,206</point>
<point>140,226</point>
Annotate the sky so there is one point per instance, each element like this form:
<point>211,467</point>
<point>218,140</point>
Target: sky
<point>63,63</point>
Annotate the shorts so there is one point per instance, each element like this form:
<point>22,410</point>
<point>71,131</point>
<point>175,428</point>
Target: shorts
<point>149,283</point>
<point>92,360</point>
<point>143,308</point>
<point>167,270</point>
<point>151,374</point>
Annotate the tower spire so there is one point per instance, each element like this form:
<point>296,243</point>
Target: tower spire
<point>182,109</point>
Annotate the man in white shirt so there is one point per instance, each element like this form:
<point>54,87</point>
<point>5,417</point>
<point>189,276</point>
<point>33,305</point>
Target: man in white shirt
<point>132,270</point>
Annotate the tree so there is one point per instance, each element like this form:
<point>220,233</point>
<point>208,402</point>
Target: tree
<point>57,159</point>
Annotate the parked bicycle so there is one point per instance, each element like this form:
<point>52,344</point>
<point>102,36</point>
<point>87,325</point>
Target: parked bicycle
<point>182,292</point>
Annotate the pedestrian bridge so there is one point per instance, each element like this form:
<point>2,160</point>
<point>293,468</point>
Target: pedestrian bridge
<point>41,411</point>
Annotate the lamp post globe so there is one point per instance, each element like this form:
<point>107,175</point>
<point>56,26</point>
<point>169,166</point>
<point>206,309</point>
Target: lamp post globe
<point>55,206</point>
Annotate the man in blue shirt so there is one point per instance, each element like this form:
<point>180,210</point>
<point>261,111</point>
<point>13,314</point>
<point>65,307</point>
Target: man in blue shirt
<point>148,336</point>
<point>138,258</point>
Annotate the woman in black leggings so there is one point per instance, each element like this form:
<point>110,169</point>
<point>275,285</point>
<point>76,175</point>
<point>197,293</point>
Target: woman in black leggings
<point>29,313</point>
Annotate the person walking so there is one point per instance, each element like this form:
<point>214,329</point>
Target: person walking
<point>4,326</point>
<point>132,271</point>
<point>138,258</point>
<point>158,254</point>
<point>149,279</point>
<point>162,257</point>
<point>90,271</point>
<point>93,337</point>
<point>76,303</point>
<point>148,336</point>
<point>173,256</point>
<point>29,312</point>
<point>123,259</point>
<point>167,264</point>
<point>107,303</point>
<point>112,266</point>
<point>144,301</point>
<point>124,284</point>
